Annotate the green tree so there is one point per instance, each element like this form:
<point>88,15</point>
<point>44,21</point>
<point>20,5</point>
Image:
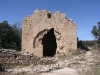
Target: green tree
<point>5,35</point>
<point>96,33</point>
<point>10,36</point>
<point>17,34</point>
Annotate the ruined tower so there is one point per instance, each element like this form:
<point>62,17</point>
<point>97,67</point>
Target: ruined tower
<point>46,33</point>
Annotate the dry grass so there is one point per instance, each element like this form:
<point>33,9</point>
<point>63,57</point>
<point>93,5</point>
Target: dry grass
<point>93,69</point>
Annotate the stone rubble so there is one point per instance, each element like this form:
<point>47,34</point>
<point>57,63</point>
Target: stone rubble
<point>48,65</point>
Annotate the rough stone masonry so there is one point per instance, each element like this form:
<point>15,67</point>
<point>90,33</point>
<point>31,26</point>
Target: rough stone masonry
<point>46,33</point>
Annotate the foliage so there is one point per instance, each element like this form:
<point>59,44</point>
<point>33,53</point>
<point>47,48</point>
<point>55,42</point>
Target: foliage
<point>88,43</point>
<point>10,36</point>
<point>85,44</point>
<point>96,33</point>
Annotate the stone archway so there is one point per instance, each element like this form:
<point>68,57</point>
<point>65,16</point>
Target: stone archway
<point>49,43</point>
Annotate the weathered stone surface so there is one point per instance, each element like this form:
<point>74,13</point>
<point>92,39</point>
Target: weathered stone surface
<point>11,58</point>
<point>37,25</point>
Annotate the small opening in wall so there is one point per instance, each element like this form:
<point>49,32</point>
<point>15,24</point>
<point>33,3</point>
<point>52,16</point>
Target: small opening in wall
<point>49,15</point>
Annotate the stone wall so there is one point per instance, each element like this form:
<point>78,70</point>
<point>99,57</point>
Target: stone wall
<point>40,23</point>
<point>13,59</point>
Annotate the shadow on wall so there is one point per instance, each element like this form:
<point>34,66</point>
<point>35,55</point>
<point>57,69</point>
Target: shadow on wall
<point>41,33</point>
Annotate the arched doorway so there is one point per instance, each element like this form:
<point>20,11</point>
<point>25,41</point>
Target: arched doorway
<point>49,44</point>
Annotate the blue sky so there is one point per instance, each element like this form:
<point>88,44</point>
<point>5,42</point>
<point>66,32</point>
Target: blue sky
<point>85,13</point>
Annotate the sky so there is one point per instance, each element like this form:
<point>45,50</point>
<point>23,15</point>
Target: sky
<point>85,13</point>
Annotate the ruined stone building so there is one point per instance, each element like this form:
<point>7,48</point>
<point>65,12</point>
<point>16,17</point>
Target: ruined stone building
<point>47,34</point>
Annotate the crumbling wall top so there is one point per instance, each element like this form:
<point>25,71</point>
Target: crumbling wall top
<point>44,14</point>
<point>53,14</point>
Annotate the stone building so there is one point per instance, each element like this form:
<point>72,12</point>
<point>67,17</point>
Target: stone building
<point>45,33</point>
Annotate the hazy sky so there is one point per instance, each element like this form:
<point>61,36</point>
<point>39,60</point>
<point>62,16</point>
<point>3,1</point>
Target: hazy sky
<point>85,13</point>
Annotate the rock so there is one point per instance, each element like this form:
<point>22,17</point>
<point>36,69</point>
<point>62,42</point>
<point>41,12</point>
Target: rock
<point>61,64</point>
<point>89,53</point>
<point>89,56</point>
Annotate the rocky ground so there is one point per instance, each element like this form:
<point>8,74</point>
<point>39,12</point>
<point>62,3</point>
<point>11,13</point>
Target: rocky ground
<point>79,63</point>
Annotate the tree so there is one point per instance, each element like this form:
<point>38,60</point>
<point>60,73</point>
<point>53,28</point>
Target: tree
<point>10,36</point>
<point>18,33</point>
<point>5,34</point>
<point>96,33</point>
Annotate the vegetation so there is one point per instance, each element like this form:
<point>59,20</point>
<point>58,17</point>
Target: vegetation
<point>85,44</point>
<point>10,36</point>
<point>96,33</point>
<point>92,43</point>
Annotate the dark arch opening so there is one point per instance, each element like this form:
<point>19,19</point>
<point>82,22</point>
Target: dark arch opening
<point>49,44</point>
<point>49,15</point>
